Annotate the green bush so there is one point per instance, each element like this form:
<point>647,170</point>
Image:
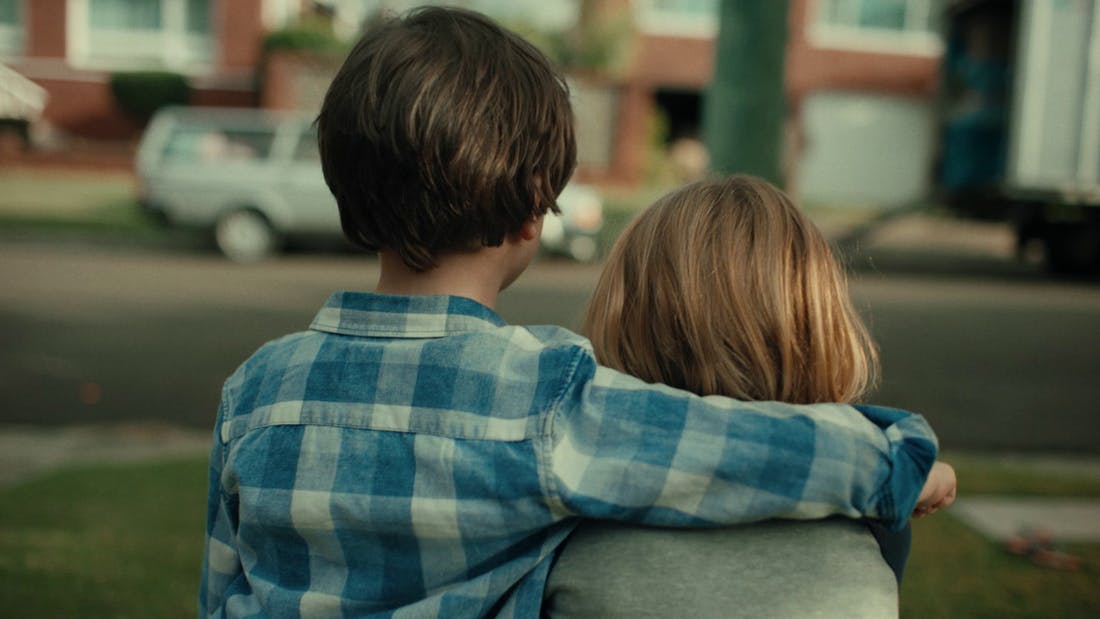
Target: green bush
<point>603,44</point>
<point>141,93</point>
<point>303,38</point>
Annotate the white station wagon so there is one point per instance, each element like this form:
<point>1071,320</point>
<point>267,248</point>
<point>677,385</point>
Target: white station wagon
<point>254,178</point>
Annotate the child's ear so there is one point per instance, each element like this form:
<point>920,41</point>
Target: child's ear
<point>532,228</point>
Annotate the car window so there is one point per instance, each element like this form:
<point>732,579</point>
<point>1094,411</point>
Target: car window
<point>307,146</point>
<point>193,144</point>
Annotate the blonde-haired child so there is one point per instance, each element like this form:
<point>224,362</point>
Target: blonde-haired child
<point>724,287</point>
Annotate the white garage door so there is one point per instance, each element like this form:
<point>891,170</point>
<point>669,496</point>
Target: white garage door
<point>865,150</point>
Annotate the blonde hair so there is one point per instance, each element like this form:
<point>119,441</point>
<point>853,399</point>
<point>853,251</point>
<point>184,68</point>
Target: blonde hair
<point>725,287</point>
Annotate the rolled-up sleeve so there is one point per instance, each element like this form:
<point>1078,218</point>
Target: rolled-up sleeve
<point>622,449</point>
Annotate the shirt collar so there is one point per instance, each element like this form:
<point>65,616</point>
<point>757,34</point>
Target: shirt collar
<point>378,315</point>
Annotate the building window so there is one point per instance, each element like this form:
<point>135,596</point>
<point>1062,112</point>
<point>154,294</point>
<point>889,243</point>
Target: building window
<point>540,15</point>
<point>142,34</point>
<point>198,17</point>
<point>691,18</point>
<point>897,26</point>
<point>11,27</point>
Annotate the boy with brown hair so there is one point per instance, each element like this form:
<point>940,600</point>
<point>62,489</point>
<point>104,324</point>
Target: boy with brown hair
<point>411,454</point>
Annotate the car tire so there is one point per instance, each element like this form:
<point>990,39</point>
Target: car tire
<point>245,235</point>
<point>583,249</point>
<point>1073,249</point>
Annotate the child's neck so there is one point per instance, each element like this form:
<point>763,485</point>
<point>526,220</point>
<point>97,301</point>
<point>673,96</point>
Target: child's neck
<point>474,275</point>
<point>478,274</point>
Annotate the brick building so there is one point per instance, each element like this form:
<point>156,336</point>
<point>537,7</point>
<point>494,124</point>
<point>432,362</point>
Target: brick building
<point>71,47</point>
<point>861,75</point>
<point>861,78</point>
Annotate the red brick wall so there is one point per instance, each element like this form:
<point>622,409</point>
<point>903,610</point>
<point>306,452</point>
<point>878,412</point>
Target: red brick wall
<point>682,62</point>
<point>278,80</point>
<point>296,80</point>
<point>87,109</point>
<point>45,28</point>
<point>239,30</point>
<point>816,69</point>
<point>628,148</point>
<point>223,98</point>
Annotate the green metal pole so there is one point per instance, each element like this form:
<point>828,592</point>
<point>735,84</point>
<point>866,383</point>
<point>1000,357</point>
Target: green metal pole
<point>744,107</point>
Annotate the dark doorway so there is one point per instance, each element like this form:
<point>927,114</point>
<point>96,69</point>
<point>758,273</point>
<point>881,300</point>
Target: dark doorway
<point>683,110</point>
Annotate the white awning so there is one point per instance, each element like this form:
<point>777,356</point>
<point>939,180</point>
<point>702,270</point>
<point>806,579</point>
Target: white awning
<point>20,97</point>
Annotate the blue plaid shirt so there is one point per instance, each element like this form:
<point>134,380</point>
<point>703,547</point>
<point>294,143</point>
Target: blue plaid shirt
<point>418,457</point>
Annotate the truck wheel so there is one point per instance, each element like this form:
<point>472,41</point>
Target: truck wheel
<point>1073,249</point>
<point>245,235</point>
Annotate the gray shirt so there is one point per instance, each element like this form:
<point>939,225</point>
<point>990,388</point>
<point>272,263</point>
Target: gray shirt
<point>786,569</point>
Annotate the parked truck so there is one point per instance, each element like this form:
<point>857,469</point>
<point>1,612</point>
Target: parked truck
<point>1021,122</point>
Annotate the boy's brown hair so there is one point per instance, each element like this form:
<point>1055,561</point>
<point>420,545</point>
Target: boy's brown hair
<point>725,287</point>
<point>443,131</point>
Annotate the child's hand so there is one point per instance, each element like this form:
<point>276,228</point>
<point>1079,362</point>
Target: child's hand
<point>938,492</point>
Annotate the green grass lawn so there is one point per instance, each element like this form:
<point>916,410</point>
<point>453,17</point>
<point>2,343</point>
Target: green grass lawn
<point>65,203</point>
<point>954,572</point>
<point>118,541</point>
<point>79,205</point>
<point>44,195</point>
<point>114,541</point>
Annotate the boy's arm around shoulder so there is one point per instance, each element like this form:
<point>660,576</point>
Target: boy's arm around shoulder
<point>622,449</point>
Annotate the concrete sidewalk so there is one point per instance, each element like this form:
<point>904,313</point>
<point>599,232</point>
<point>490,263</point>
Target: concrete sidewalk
<point>1002,518</point>
<point>29,451</point>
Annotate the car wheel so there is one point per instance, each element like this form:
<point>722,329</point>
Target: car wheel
<point>583,249</point>
<point>245,236</point>
<point>1073,249</point>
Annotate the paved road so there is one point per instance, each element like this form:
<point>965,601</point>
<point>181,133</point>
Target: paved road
<point>996,355</point>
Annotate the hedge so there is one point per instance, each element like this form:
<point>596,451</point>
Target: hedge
<point>141,93</point>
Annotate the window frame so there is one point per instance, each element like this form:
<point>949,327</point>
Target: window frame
<point>907,41</point>
<point>670,22</point>
<point>14,34</point>
<point>171,46</point>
